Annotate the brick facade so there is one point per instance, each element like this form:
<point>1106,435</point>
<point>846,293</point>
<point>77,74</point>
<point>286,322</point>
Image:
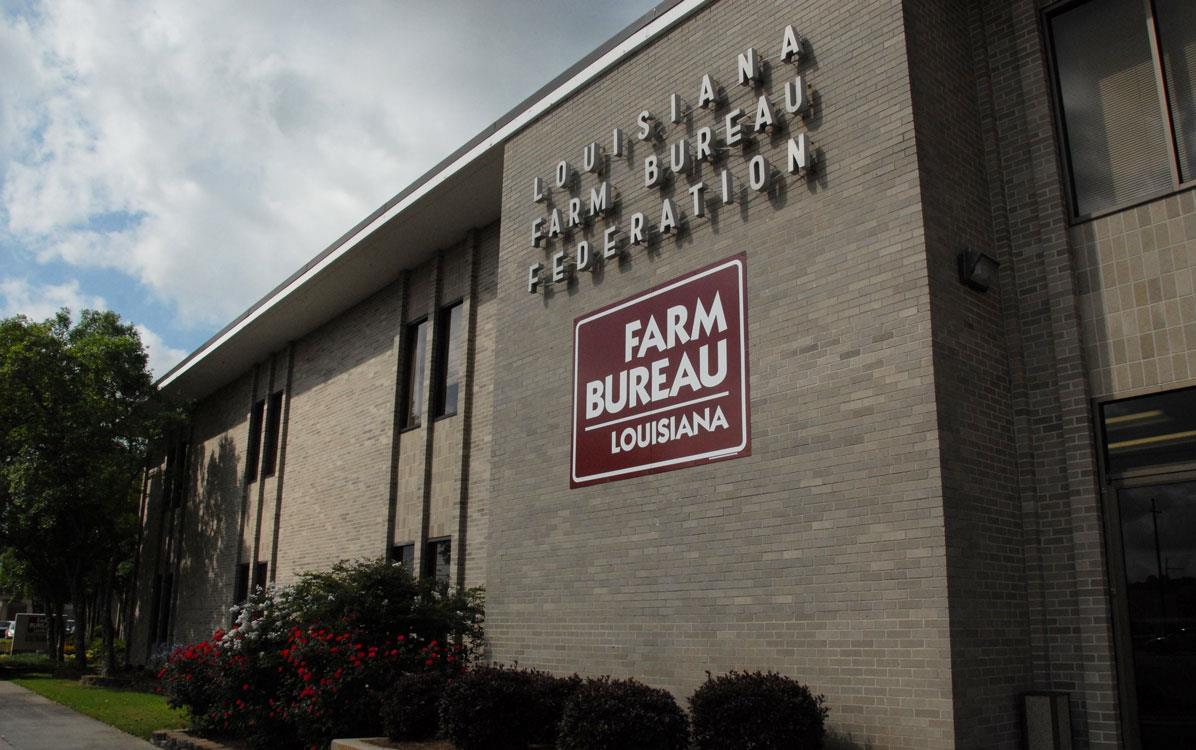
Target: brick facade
<point>918,532</point>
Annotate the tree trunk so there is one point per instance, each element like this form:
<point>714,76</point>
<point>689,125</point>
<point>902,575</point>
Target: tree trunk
<point>53,639</point>
<point>108,668</point>
<point>78,599</point>
<point>59,626</point>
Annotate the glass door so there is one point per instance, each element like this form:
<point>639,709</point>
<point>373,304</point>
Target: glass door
<point>1158,536</point>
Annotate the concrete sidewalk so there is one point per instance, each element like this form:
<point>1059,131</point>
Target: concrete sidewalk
<point>31,722</point>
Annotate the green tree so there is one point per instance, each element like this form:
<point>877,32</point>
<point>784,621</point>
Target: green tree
<point>78,410</point>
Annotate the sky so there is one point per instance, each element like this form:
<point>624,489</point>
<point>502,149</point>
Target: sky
<point>174,160</point>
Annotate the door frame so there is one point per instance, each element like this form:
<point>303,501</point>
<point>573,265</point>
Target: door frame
<point>1110,486</point>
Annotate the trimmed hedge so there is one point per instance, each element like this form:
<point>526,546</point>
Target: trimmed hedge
<point>411,707</point>
<point>756,711</point>
<point>502,708</point>
<point>608,714</point>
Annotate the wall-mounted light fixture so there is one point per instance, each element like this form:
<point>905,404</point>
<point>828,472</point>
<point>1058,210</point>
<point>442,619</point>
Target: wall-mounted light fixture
<point>977,270</point>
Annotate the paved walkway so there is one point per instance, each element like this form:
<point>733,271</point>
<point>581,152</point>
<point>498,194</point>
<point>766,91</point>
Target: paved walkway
<point>31,722</point>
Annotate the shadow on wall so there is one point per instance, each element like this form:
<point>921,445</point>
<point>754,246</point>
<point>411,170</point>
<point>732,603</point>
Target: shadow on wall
<point>838,741</point>
<point>211,540</point>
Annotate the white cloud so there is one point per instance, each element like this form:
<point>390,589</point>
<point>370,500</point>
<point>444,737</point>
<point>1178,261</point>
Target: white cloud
<point>161,356</point>
<point>41,301</point>
<point>208,149</point>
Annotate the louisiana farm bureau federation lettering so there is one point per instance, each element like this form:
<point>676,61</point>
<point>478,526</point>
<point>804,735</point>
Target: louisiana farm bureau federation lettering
<point>709,144</point>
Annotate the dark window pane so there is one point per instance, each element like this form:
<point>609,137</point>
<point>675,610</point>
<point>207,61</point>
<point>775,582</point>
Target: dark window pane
<point>155,605</point>
<point>270,444</point>
<point>1177,42</point>
<point>414,349</point>
<point>241,586</point>
<point>164,610</point>
<point>253,451</point>
<point>259,576</point>
<point>1116,138</point>
<point>437,557</point>
<point>178,478</point>
<point>1158,532</point>
<point>404,554</point>
<point>448,355</point>
<point>1157,430</point>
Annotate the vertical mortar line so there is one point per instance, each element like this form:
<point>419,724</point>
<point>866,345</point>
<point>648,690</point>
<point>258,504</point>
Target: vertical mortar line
<point>261,481</point>
<point>396,425</point>
<point>282,461</point>
<point>244,473</point>
<point>182,491</point>
<point>429,404</point>
<point>467,405</point>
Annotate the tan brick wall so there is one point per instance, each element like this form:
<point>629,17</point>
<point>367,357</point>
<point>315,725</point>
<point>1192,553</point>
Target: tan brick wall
<point>337,477</point>
<point>212,510</point>
<point>821,555</point>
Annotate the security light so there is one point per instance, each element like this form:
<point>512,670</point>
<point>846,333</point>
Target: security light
<point>977,270</point>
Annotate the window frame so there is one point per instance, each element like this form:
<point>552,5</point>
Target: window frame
<point>1063,150</point>
<point>440,358</point>
<point>397,555</point>
<point>426,570</point>
<point>272,434</point>
<point>1109,484</point>
<point>253,450</point>
<point>410,346</point>
<point>241,584</point>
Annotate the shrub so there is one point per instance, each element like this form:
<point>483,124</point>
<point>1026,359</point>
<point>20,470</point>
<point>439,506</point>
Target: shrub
<point>189,678</point>
<point>756,711</point>
<point>307,663</point>
<point>501,708</point>
<point>411,707</point>
<point>608,714</point>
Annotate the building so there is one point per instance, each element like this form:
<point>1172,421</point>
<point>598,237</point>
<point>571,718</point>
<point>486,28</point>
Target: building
<point>826,434</point>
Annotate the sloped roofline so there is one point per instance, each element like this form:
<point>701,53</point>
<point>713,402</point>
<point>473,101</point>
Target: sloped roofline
<point>653,23</point>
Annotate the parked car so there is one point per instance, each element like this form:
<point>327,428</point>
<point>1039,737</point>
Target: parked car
<point>8,628</point>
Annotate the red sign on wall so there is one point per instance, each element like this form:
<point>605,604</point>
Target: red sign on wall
<point>660,380</point>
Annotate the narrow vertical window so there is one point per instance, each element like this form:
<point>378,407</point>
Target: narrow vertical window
<point>178,478</point>
<point>241,585</point>
<point>259,575</point>
<point>414,345</point>
<point>270,442</point>
<point>437,557</point>
<point>253,450</point>
<point>155,605</point>
<point>448,359</point>
<point>164,609</point>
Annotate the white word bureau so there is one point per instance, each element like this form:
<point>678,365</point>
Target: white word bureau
<point>712,144</point>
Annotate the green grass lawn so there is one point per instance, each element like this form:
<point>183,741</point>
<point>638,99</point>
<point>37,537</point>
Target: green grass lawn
<point>132,711</point>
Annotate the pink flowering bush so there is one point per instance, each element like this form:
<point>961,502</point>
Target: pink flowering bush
<point>304,664</point>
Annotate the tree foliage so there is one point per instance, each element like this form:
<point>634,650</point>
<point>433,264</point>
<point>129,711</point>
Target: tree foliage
<point>78,409</point>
